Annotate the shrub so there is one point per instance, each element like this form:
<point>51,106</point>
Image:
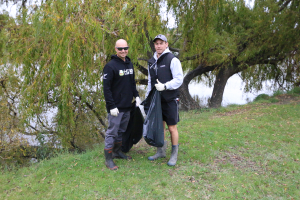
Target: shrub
<point>278,92</point>
<point>295,90</point>
<point>261,97</point>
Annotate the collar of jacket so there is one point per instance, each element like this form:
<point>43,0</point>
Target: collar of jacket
<point>165,51</point>
<point>115,57</point>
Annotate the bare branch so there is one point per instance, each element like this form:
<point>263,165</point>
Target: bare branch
<point>190,57</point>
<point>142,81</point>
<point>48,129</point>
<point>3,158</point>
<point>132,9</point>
<point>10,106</point>
<point>96,113</point>
<point>144,59</point>
<point>176,40</point>
<point>24,3</point>
<point>141,69</point>
<point>174,49</point>
<point>32,127</point>
<point>284,5</point>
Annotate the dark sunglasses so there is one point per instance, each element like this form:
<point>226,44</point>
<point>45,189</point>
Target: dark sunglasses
<point>121,48</point>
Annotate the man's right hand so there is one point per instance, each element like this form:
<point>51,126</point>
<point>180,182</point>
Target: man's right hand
<point>114,112</point>
<point>160,86</point>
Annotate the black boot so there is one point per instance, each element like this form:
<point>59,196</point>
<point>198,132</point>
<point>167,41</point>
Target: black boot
<point>117,153</point>
<point>108,160</point>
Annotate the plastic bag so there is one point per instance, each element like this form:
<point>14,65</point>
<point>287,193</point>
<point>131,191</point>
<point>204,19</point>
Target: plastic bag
<point>134,131</point>
<point>153,131</point>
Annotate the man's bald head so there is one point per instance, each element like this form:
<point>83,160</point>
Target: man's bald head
<point>121,48</point>
<point>121,43</point>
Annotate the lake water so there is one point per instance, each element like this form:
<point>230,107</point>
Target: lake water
<point>233,92</point>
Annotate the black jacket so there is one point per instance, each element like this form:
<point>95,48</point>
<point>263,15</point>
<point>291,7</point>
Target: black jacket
<point>119,84</point>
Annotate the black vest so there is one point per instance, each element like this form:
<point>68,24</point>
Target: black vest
<point>163,74</point>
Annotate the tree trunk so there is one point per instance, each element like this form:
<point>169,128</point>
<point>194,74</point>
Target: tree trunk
<point>224,74</point>
<point>186,100</point>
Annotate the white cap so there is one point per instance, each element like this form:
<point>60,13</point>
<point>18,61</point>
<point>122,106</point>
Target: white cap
<point>161,37</point>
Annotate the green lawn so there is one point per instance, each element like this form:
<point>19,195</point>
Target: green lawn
<point>239,152</point>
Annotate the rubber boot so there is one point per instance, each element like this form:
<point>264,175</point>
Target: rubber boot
<point>108,160</point>
<point>117,152</point>
<point>173,158</point>
<point>160,153</point>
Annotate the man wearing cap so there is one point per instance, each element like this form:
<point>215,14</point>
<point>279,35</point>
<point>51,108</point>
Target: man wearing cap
<point>165,73</point>
<point>119,89</point>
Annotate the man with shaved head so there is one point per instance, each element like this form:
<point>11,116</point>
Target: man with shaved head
<point>119,89</point>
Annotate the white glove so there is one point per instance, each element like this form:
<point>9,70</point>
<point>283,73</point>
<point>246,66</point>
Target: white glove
<point>159,86</point>
<point>114,112</point>
<point>137,101</point>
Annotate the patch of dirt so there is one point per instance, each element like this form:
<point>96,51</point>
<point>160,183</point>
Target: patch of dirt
<point>286,99</point>
<point>238,161</point>
<point>232,112</point>
<point>141,147</point>
<point>282,99</point>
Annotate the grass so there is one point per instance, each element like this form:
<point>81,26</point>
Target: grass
<point>238,152</point>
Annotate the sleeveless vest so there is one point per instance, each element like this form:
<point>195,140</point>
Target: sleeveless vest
<point>163,73</point>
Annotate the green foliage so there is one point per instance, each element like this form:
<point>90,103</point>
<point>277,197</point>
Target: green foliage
<point>44,150</point>
<point>261,41</point>
<point>278,92</point>
<point>10,128</point>
<point>294,91</point>
<point>53,57</point>
<point>60,50</point>
<point>261,97</point>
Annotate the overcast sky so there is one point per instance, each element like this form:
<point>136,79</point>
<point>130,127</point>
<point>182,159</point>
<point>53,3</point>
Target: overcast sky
<point>12,9</point>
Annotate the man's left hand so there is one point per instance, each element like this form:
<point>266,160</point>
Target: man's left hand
<point>137,101</point>
<point>159,86</point>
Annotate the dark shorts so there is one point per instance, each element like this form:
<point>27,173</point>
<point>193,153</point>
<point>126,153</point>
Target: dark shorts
<point>170,112</point>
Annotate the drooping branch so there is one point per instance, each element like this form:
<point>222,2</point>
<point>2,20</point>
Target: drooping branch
<point>271,59</point>
<point>43,125</point>
<point>32,127</point>
<point>176,39</point>
<point>10,105</point>
<point>96,113</point>
<point>149,40</point>
<point>198,55</point>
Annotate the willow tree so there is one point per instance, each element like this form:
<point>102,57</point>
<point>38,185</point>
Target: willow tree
<point>61,50</point>
<point>226,37</point>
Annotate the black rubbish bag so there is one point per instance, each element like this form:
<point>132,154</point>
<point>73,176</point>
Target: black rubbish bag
<point>153,130</point>
<point>134,131</point>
